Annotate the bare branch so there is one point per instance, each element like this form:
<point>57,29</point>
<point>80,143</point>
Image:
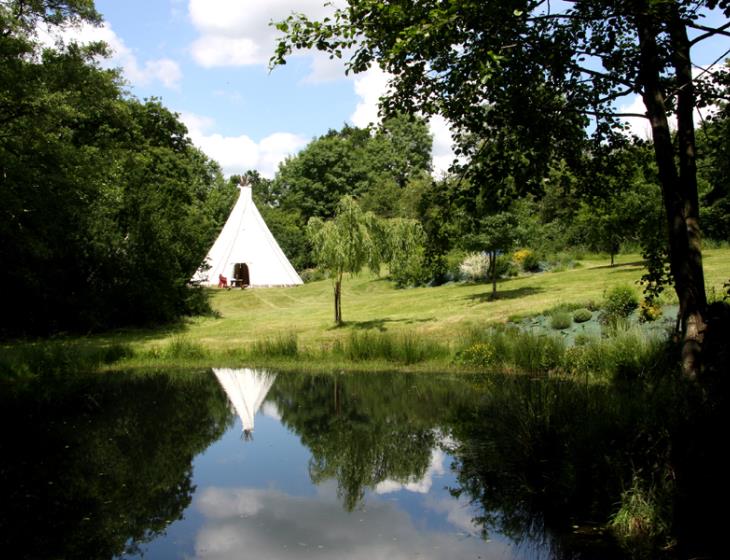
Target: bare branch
<point>604,76</point>
<point>711,31</point>
<point>610,114</point>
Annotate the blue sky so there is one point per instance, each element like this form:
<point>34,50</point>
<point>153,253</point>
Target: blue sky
<point>207,60</point>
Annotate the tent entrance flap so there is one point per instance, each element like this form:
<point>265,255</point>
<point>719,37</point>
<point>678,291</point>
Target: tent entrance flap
<point>241,275</point>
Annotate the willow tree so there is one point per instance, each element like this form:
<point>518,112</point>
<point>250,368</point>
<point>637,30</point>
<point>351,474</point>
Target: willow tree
<point>342,244</point>
<point>538,72</point>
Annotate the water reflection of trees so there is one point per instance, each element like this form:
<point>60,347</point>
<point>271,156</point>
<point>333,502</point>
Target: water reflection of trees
<point>364,429</point>
<point>93,466</point>
<point>544,459</point>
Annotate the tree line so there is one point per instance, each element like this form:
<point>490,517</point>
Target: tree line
<point>107,207</point>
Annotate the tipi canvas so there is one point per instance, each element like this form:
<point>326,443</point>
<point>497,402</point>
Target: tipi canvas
<point>246,253</point>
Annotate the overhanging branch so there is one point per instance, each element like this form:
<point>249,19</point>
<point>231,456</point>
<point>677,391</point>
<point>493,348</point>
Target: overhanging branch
<point>710,32</point>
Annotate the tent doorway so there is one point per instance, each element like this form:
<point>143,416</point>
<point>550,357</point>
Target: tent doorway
<point>241,275</point>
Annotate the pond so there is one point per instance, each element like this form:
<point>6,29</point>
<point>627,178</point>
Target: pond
<point>249,463</point>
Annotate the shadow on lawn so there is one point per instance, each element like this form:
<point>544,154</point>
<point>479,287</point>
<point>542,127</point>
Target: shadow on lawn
<point>380,324</point>
<point>619,265</point>
<point>504,294</point>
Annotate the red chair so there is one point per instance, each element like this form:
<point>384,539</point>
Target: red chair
<point>222,281</point>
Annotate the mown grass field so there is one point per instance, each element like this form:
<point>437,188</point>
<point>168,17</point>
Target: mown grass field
<point>293,328</point>
<point>369,303</point>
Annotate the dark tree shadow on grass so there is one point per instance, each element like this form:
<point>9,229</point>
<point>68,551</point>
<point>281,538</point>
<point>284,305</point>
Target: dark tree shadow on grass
<point>380,324</point>
<point>504,294</point>
<point>619,265</point>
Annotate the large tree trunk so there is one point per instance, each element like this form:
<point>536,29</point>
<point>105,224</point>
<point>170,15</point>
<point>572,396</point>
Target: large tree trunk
<point>679,187</point>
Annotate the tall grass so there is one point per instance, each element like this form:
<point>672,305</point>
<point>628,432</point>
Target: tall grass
<point>509,348</point>
<point>404,348</point>
<point>58,357</point>
<point>282,345</point>
<point>642,520</point>
<point>627,353</point>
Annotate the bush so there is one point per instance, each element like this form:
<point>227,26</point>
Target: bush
<point>582,315</point>
<point>527,260</point>
<point>560,320</point>
<point>474,267</point>
<point>311,275</point>
<point>480,354</point>
<point>505,267</point>
<point>649,311</point>
<point>619,303</point>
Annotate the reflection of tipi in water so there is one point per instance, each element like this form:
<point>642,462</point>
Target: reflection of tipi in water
<point>246,389</point>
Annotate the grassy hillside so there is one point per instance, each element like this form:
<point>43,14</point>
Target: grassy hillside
<point>439,313</point>
<point>385,328</point>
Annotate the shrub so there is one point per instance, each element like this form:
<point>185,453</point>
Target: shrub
<point>582,315</point>
<point>480,354</point>
<point>311,275</point>
<point>619,302</point>
<point>527,260</point>
<point>505,267</point>
<point>649,311</point>
<point>474,266</point>
<point>560,320</point>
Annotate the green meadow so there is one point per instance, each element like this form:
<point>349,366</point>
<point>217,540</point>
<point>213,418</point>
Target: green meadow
<point>385,328</point>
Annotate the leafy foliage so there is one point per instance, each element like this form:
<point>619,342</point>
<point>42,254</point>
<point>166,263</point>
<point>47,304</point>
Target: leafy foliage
<point>341,245</point>
<point>107,207</point>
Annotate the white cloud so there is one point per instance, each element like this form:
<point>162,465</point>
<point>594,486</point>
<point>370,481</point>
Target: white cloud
<point>443,145</point>
<point>238,154</point>
<point>325,69</point>
<point>270,410</point>
<point>418,486</point>
<point>210,51</point>
<point>637,126</point>
<point>271,524</point>
<point>237,32</point>
<point>369,86</point>
<point>163,70</point>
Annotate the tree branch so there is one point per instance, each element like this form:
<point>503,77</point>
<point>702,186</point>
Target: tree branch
<point>610,114</point>
<point>597,74</point>
<point>710,32</point>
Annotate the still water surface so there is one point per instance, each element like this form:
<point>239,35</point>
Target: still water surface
<point>249,464</point>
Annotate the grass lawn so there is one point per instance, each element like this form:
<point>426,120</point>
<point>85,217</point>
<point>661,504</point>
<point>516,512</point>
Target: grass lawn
<point>436,321</point>
<point>440,314</point>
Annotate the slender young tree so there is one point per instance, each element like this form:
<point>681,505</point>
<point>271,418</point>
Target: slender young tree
<point>342,244</point>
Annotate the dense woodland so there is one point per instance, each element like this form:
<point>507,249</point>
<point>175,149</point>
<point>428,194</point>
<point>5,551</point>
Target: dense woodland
<point>108,208</point>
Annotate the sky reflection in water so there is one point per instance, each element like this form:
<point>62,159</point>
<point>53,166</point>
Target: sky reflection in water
<point>256,499</point>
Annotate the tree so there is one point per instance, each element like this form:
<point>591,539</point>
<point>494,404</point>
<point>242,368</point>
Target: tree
<point>405,249</point>
<point>342,244</point>
<point>537,73</point>
<point>107,208</point>
<point>494,234</point>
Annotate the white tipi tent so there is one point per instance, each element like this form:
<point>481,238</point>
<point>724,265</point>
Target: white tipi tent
<point>246,253</point>
<point>246,389</point>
